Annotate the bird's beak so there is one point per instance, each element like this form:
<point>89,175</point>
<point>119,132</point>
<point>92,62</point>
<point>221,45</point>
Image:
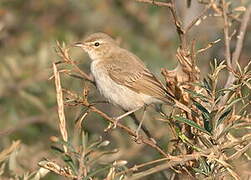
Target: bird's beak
<point>79,44</point>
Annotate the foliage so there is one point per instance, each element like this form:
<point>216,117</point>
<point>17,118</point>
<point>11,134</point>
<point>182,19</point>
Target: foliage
<point>77,142</point>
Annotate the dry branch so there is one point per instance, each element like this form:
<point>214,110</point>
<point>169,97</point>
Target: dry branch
<point>6,152</point>
<point>157,3</point>
<point>239,44</point>
<point>226,32</point>
<point>178,160</point>
<point>60,101</point>
<point>63,53</point>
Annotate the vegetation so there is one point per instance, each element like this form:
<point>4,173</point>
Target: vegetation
<point>54,123</point>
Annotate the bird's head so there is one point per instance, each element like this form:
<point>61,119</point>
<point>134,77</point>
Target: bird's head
<point>97,45</point>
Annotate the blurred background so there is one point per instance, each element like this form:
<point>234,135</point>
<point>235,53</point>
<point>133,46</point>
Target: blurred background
<point>28,33</point>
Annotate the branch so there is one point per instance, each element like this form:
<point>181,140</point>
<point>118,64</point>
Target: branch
<point>226,33</point>
<point>5,153</point>
<point>238,49</point>
<point>178,25</point>
<point>63,53</point>
<point>177,22</point>
<point>60,101</point>
<point>146,141</point>
<point>197,18</point>
<point>242,32</point>
<point>178,160</point>
<point>156,3</point>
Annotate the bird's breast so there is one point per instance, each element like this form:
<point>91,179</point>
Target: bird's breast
<point>117,94</point>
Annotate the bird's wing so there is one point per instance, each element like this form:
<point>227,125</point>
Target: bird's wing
<point>128,70</point>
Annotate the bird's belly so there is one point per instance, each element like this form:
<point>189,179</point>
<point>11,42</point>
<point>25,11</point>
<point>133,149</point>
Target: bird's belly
<point>117,94</point>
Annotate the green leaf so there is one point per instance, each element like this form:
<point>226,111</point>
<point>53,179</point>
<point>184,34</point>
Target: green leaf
<point>91,174</point>
<point>227,110</point>
<point>207,86</point>
<point>204,165</point>
<point>57,149</point>
<point>191,123</point>
<point>68,144</point>
<point>68,160</point>
<point>206,116</point>
<point>223,116</point>
<point>207,122</point>
<point>201,108</point>
<point>199,171</point>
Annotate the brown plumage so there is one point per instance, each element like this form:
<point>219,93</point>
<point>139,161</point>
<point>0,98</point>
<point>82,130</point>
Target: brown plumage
<point>128,70</point>
<point>122,77</point>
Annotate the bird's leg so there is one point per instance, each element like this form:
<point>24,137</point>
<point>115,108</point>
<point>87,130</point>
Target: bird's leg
<point>144,129</point>
<point>124,115</point>
<point>141,122</point>
<point>158,108</point>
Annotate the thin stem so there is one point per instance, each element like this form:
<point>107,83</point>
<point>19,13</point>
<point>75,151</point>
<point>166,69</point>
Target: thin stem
<point>226,33</point>
<point>155,3</point>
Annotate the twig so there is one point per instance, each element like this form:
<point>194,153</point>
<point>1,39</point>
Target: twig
<point>54,167</point>
<point>237,154</point>
<point>81,163</point>
<point>237,52</point>
<point>239,44</point>
<point>177,22</point>
<point>146,141</point>
<point>226,33</point>
<point>62,123</point>
<point>178,25</point>
<point>180,160</point>
<point>197,18</point>
<point>91,108</point>
<point>6,152</point>
<point>208,46</point>
<point>155,3</point>
<point>63,53</point>
<point>240,37</point>
<point>136,167</point>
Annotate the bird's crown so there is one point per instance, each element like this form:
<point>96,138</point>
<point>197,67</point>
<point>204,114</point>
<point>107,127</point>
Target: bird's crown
<point>102,37</point>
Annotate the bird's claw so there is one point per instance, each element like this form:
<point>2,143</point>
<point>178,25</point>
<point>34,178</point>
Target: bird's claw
<point>137,138</point>
<point>112,125</point>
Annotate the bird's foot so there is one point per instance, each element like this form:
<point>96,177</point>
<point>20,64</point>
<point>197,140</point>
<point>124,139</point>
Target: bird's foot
<point>112,125</point>
<point>115,122</point>
<point>137,137</point>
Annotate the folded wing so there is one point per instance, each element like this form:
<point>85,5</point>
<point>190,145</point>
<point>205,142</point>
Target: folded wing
<point>128,70</point>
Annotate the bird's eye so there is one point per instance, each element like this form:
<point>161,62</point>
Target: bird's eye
<point>96,44</point>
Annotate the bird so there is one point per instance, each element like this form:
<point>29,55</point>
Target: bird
<point>123,78</point>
